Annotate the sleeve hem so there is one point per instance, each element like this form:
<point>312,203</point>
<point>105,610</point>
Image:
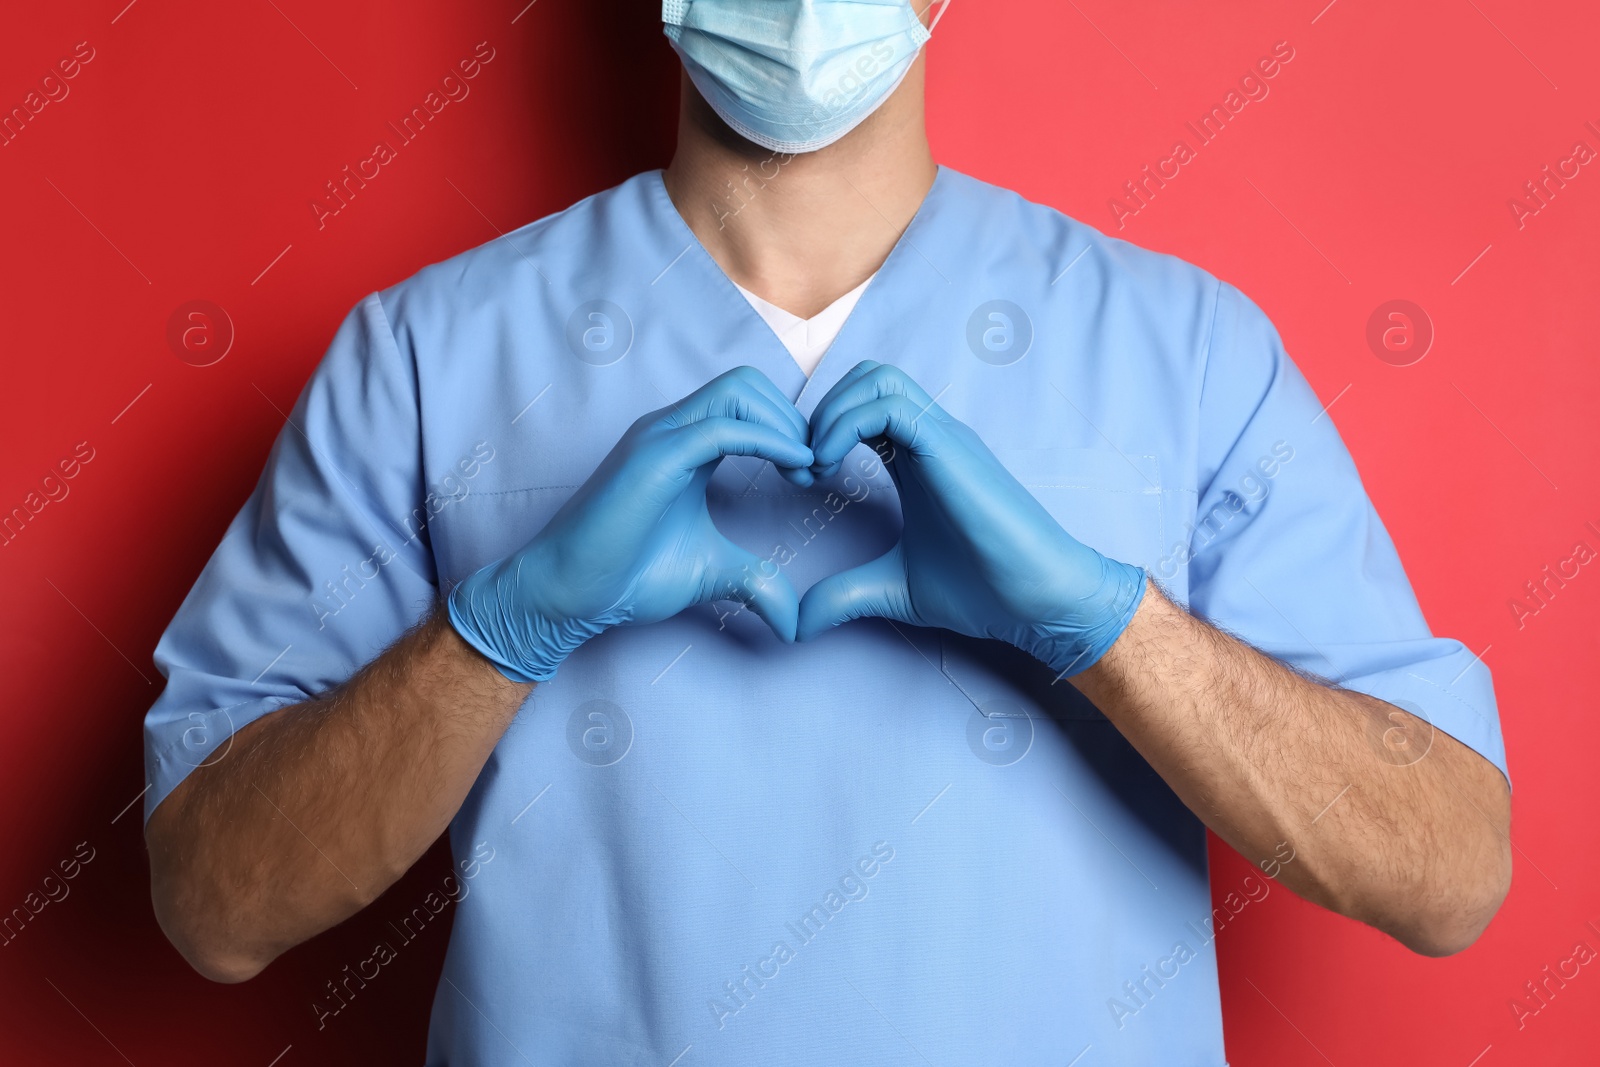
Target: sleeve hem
<point>170,759</point>
<point>1440,708</point>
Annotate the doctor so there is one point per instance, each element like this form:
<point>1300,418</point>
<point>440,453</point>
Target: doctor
<point>825,598</point>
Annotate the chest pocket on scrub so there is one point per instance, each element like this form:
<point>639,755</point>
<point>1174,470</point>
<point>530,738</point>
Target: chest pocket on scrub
<point>1110,501</point>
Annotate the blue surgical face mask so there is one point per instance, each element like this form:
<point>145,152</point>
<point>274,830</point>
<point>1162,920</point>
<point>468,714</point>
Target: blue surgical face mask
<point>795,75</point>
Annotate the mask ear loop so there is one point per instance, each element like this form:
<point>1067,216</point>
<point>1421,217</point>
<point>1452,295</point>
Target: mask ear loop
<point>944,5</point>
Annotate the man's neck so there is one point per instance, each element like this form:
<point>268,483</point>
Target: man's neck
<point>802,230</point>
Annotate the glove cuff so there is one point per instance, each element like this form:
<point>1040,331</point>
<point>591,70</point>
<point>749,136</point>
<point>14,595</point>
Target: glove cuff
<point>473,614</point>
<point>1073,650</point>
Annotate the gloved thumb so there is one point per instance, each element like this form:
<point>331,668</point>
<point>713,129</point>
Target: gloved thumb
<point>872,589</point>
<point>736,574</point>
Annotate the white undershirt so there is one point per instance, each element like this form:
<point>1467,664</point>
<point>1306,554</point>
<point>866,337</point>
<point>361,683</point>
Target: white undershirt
<point>807,339</point>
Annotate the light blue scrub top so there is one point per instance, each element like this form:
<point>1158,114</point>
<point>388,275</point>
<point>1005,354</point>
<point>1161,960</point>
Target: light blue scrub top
<point>888,845</point>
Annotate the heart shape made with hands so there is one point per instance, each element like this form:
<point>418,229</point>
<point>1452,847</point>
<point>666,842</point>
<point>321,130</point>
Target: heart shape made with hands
<point>636,544</point>
<point>978,554</point>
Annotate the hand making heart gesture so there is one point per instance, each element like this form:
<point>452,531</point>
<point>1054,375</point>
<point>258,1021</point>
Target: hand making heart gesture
<point>636,544</point>
<point>978,555</point>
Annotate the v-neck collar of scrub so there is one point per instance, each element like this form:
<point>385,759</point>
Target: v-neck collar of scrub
<point>807,339</point>
<point>779,365</point>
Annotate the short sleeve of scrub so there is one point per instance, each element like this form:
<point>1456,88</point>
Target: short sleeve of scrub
<point>1288,553</point>
<point>326,564</point>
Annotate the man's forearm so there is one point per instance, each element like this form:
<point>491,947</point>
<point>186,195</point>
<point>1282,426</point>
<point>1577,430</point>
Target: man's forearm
<point>319,807</point>
<point>1392,822</point>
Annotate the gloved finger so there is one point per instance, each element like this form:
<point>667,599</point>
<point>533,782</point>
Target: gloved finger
<point>703,442</point>
<point>880,381</point>
<point>764,385</point>
<point>739,575</point>
<point>850,377</point>
<point>784,407</point>
<point>747,394</point>
<point>872,589</point>
<point>742,393</point>
<point>800,476</point>
<point>898,418</point>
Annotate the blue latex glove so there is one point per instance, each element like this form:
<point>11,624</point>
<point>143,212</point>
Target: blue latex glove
<point>635,543</point>
<point>978,555</point>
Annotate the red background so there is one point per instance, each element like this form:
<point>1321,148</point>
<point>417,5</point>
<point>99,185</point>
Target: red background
<point>181,167</point>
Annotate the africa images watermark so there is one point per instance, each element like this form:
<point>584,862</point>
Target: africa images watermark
<point>1553,978</point>
<point>53,89</point>
<point>1552,578</point>
<point>1538,192</point>
<point>343,189</point>
<point>453,488</point>
<point>810,528</point>
<point>452,890</point>
<point>1253,87</point>
<point>854,81</point>
<point>738,197</point>
<point>1141,991</point>
<point>52,889</point>
<point>1255,485</point>
<point>54,489</point>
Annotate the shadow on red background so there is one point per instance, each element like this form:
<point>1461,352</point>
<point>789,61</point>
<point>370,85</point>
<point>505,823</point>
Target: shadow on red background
<point>180,161</point>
